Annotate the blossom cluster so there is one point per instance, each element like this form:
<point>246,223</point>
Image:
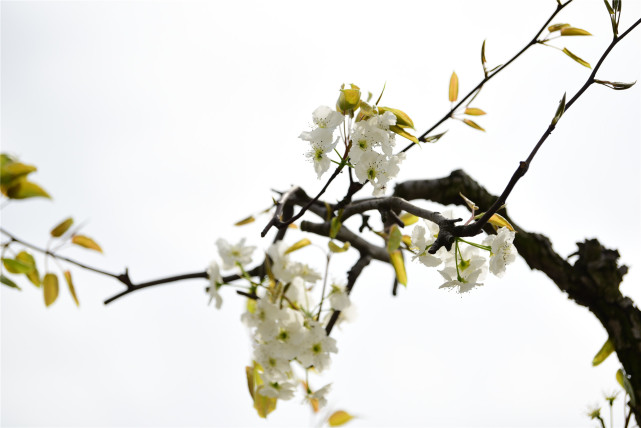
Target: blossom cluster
<point>369,145</point>
<point>464,266</point>
<point>285,319</point>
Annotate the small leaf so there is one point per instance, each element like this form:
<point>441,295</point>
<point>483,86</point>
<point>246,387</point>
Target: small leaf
<point>399,266</point>
<point>249,371</point>
<point>6,281</point>
<point>61,228</point>
<point>244,221</point>
<point>292,226</point>
<point>334,227</point>
<point>474,112</point>
<point>72,289</point>
<point>620,376</point>
<point>86,242</point>
<point>623,380</point>
<point>338,418</point>
<point>483,60</point>
<point>433,138</point>
<point>403,133</point>
<point>559,110</point>
<point>607,4</point>
<point>473,124</point>
<point>50,284</point>
<point>453,87</point>
<point>298,245</point>
<point>576,58</point>
<point>264,405</point>
<point>470,204</point>
<point>14,170</point>
<point>16,266</point>
<point>33,275</point>
<point>381,95</point>
<point>604,352</point>
<point>408,219</point>
<point>497,220</point>
<point>571,31</point>
<point>557,27</point>
<point>394,240</point>
<point>336,249</point>
<point>402,119</point>
<point>407,240</point>
<point>615,85</point>
<point>24,189</point>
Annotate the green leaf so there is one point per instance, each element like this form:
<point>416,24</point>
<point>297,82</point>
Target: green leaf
<point>408,219</point>
<point>338,418</point>
<point>72,289</point>
<point>403,133</point>
<point>433,138</point>
<point>61,227</point>
<point>399,266</point>
<point>453,92</point>
<point>559,110</point>
<point>298,245</point>
<point>615,85</point>
<point>473,124</point>
<point>402,119</point>
<point>394,240</point>
<point>335,227</point>
<point>381,95</point>
<point>50,285</point>
<point>33,275</point>
<point>14,170</point>
<point>622,378</point>
<point>6,281</point>
<point>86,242</point>
<point>576,58</point>
<point>483,60</point>
<point>556,27</point>
<point>571,31</point>
<point>497,220</point>
<point>470,204</point>
<point>607,4</point>
<point>24,189</point>
<point>16,266</point>
<point>604,352</point>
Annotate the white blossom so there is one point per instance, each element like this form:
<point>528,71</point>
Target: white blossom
<point>378,169</point>
<point>215,280</point>
<point>325,117</point>
<point>463,271</point>
<point>283,390</point>
<point>316,348</point>
<point>421,240</point>
<point>319,395</point>
<point>338,298</point>
<point>503,250</point>
<point>232,254</point>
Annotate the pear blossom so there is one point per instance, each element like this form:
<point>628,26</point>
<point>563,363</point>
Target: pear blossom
<point>503,250</point>
<point>338,298</point>
<point>319,395</point>
<point>232,254</point>
<point>316,348</point>
<point>378,169</point>
<point>215,280</point>
<point>283,390</point>
<point>463,271</point>
<point>327,118</point>
<point>421,240</point>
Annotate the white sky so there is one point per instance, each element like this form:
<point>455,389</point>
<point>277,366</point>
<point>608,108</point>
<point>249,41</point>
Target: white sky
<point>160,124</point>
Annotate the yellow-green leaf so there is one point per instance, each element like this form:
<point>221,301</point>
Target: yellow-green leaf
<point>557,27</point>
<point>576,58</point>
<point>72,289</point>
<point>472,111</point>
<point>336,249</point>
<point>50,285</point>
<point>620,376</point>
<point>264,405</point>
<point>483,60</point>
<point>338,418</point>
<point>470,204</point>
<point>615,85</point>
<point>298,245</point>
<point>604,352</point>
<point>433,138</point>
<point>16,266</point>
<point>334,227</point>
<point>473,124</point>
<point>6,281</point>
<point>244,221</point>
<point>61,227</point>
<point>14,170</point>
<point>623,380</point>
<point>86,242</point>
<point>249,371</point>
<point>394,240</point>
<point>33,275</point>
<point>559,110</point>
<point>610,10</point>
<point>403,133</point>
<point>24,189</point>
<point>497,220</point>
<point>399,266</point>
<point>408,219</point>
<point>402,119</point>
<point>571,31</point>
<point>453,87</point>
<point>407,240</point>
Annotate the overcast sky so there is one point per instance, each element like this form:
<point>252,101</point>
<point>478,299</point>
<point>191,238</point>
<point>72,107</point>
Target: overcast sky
<point>160,124</point>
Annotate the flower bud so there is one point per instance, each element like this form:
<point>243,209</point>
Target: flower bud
<point>349,99</point>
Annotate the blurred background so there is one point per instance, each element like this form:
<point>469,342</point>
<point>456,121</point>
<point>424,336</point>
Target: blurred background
<point>161,124</point>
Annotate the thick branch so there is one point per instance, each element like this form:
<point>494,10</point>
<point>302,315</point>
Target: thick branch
<point>346,235</point>
<point>593,281</point>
